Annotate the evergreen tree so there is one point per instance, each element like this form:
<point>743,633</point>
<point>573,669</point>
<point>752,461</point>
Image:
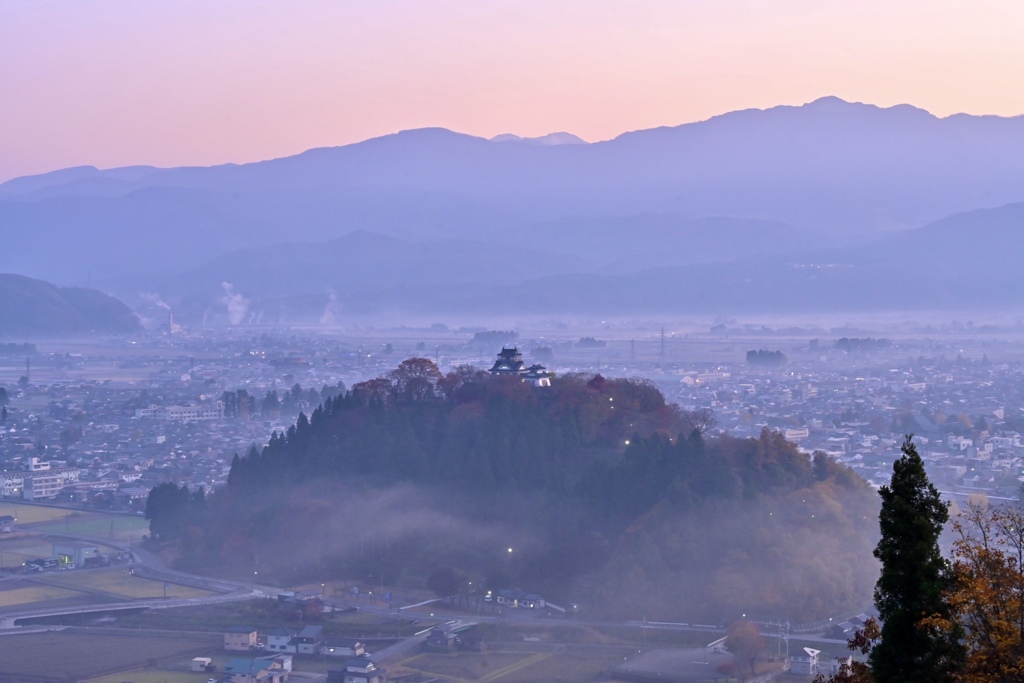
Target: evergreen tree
<point>913,579</point>
<point>167,509</point>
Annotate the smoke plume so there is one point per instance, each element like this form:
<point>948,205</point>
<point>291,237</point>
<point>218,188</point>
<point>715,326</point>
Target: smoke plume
<point>236,304</point>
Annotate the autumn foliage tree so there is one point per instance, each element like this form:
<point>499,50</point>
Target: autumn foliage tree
<point>746,643</point>
<point>986,598</point>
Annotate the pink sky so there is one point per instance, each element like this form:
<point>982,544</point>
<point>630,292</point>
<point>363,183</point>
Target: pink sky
<point>201,82</point>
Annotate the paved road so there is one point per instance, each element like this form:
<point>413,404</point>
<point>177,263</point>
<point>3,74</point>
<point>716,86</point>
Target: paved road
<point>150,565</point>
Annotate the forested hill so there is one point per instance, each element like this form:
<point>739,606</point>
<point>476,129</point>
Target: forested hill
<point>592,490</point>
<point>37,309</point>
<point>465,429</point>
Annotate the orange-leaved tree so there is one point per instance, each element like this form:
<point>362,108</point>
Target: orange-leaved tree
<point>987,596</point>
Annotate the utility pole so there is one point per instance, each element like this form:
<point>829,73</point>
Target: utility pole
<point>632,350</point>
<point>662,344</point>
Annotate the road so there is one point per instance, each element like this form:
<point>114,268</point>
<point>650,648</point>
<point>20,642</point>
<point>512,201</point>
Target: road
<point>146,565</point>
<point>151,566</point>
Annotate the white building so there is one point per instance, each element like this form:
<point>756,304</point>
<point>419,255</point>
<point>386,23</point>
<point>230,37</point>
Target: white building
<point>183,413</point>
<point>804,663</point>
<point>14,482</point>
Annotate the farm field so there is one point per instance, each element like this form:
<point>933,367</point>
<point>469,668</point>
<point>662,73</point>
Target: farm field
<point>31,514</point>
<point>483,667</point>
<point>96,524</point>
<point>566,668</point>
<point>84,655</point>
<point>15,551</point>
<point>152,676</point>
<point>27,595</point>
<point>117,581</point>
<point>55,520</point>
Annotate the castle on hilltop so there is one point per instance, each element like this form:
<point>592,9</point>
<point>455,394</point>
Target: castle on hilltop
<point>510,362</point>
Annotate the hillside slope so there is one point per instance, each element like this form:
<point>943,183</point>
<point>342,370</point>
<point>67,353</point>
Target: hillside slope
<point>37,309</point>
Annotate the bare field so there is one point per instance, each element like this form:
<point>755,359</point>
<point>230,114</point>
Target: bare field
<point>58,657</point>
<point>57,520</point>
<point>117,581</point>
<point>19,597</point>
<point>172,671</point>
<point>484,667</point>
<point>564,668</point>
<point>99,525</point>
<point>152,676</point>
<point>31,514</point>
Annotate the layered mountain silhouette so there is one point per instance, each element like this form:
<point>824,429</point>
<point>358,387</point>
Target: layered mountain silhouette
<point>796,207</point>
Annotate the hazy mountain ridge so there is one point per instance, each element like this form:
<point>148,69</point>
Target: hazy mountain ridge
<point>37,309</point>
<point>778,207</point>
<point>964,261</point>
<point>364,259</point>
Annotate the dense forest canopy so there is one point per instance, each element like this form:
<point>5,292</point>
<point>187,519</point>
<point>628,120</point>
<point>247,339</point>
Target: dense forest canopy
<point>592,490</point>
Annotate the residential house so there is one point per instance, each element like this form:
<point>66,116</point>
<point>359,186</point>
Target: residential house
<point>359,670</point>
<point>441,638</point>
<point>805,662</point>
<point>280,640</point>
<point>259,670</point>
<point>471,640</point>
<point>309,640</point>
<point>283,660</point>
<point>343,647</point>
<point>240,638</point>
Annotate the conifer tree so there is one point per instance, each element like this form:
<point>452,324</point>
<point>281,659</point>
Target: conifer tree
<point>914,577</point>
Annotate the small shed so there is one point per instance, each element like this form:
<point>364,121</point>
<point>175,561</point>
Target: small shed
<point>202,664</point>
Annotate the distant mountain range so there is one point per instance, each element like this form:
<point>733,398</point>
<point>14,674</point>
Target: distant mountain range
<point>790,208</point>
<point>34,309</point>
<point>549,139</point>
